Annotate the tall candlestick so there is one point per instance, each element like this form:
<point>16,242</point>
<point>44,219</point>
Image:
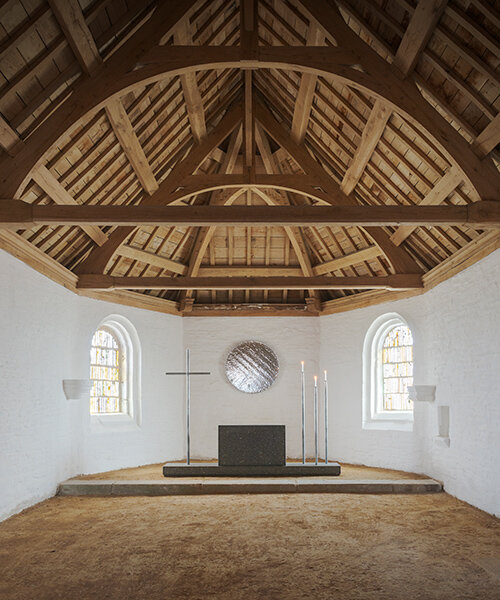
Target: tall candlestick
<point>188,408</point>
<point>315,419</point>
<point>303,407</point>
<point>326,418</point>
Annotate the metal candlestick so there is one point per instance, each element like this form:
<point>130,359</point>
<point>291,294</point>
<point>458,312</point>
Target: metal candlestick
<point>303,406</point>
<point>188,409</point>
<point>315,419</point>
<point>326,418</point>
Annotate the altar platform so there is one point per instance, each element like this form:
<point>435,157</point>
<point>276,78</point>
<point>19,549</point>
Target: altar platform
<point>149,481</point>
<point>242,485</point>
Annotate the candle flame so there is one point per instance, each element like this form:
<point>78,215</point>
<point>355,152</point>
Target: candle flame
<point>315,380</point>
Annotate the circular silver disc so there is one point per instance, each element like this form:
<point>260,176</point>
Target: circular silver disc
<point>251,367</point>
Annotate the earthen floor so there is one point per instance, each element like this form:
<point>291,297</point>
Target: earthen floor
<point>359,547</point>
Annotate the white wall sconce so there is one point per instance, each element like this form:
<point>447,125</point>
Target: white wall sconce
<point>422,393</point>
<point>77,389</point>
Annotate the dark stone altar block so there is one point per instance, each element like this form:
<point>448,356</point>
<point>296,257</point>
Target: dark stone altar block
<point>252,445</point>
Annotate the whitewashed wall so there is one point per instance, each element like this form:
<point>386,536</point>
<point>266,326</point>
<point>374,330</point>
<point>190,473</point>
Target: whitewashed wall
<point>216,402</point>
<point>456,327</point>
<point>45,334</point>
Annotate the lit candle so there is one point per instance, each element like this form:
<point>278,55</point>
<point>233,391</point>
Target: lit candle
<point>315,419</point>
<point>303,408</point>
<point>326,418</point>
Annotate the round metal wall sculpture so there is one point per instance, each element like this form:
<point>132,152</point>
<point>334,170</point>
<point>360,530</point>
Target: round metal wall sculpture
<point>252,367</point>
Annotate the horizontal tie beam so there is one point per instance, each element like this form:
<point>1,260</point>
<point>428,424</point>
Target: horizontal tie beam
<point>108,282</point>
<point>20,215</point>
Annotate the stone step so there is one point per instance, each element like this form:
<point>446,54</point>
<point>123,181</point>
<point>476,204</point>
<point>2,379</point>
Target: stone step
<point>282,485</point>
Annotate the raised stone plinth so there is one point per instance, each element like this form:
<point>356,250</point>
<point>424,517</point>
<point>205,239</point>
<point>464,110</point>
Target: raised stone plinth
<point>253,485</point>
<point>284,470</point>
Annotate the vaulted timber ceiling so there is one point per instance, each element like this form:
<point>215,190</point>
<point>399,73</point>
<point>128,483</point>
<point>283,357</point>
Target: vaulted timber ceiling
<point>291,157</point>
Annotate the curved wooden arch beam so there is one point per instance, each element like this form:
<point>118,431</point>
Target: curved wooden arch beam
<point>353,63</point>
<point>99,258</point>
<point>401,261</point>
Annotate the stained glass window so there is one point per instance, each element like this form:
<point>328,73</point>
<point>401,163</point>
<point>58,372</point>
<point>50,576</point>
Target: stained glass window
<point>106,372</point>
<point>397,369</point>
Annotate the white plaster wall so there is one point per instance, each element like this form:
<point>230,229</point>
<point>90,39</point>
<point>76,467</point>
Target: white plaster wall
<point>216,402</point>
<point>45,333</point>
<point>456,328</point>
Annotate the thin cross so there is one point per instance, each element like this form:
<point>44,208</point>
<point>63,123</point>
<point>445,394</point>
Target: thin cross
<point>188,374</point>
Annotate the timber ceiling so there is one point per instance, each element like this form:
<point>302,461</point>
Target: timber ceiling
<point>98,107</point>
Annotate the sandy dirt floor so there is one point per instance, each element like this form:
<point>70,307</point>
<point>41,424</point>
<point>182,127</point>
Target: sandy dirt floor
<point>321,546</point>
<point>347,472</point>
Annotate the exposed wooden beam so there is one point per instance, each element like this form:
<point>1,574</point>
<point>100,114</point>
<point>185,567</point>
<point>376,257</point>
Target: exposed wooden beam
<point>305,95</point>
<point>130,144</point>
<point>443,188</point>
<point>417,34</point>
<point>348,260</point>
<point>190,89</point>
<point>489,138</point>
<point>107,282</point>
<point>248,123</point>
<point>370,137</point>
<point>49,184</point>
<point>71,20</point>
<point>17,214</point>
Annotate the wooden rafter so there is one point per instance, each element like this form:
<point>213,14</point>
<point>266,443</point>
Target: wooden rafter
<point>417,34</point>
<point>189,83</point>
<point>51,186</point>
<point>71,20</point>
<point>438,193</point>
<point>305,95</point>
<point>372,133</point>
<point>130,144</point>
<point>489,138</point>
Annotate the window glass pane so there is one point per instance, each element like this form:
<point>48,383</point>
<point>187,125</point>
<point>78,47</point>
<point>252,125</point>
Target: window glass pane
<point>397,368</point>
<point>105,373</point>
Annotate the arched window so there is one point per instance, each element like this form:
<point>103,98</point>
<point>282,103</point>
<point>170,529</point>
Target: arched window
<point>115,356</point>
<point>108,372</point>
<point>387,373</point>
